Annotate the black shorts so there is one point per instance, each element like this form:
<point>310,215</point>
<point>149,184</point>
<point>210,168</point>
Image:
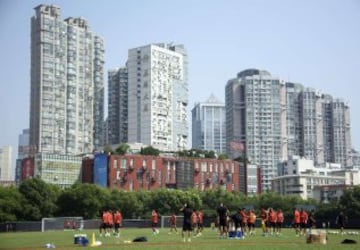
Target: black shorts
<point>117,225</point>
<point>303,225</point>
<point>222,222</point>
<point>200,225</point>
<point>279,224</point>
<point>251,225</point>
<point>242,224</point>
<point>272,224</point>
<point>187,226</point>
<point>296,225</point>
<point>103,225</point>
<point>153,224</point>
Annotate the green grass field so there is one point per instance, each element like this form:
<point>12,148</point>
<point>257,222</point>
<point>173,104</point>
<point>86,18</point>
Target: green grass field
<point>209,240</point>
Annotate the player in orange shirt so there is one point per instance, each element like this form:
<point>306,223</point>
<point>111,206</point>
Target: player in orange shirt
<point>251,222</point>
<point>200,223</point>
<point>272,220</point>
<point>110,218</point>
<point>303,221</point>
<point>173,223</point>
<point>243,223</point>
<point>279,221</point>
<point>296,221</point>
<point>154,221</point>
<point>118,223</point>
<point>194,220</point>
<point>104,224</point>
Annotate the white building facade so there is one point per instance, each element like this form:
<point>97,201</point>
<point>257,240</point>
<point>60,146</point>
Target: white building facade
<point>298,176</point>
<point>275,120</point>
<point>6,172</point>
<point>67,85</point>
<point>158,96</point>
<point>255,117</point>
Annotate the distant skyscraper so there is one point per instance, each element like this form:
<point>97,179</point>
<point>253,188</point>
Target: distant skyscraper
<point>158,96</point>
<point>275,120</point>
<point>67,87</point>
<point>255,116</point>
<point>23,144</point>
<point>117,106</point>
<point>318,126</point>
<point>208,125</point>
<point>339,136</point>
<point>6,172</point>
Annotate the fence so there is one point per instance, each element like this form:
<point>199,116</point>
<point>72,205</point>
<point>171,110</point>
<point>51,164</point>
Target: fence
<point>24,226</point>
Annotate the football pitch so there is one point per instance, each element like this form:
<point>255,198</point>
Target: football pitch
<point>208,240</point>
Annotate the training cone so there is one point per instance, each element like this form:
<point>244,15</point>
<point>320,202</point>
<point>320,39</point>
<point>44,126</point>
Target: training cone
<point>94,243</point>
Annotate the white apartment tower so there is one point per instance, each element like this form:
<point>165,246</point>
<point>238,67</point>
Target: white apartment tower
<point>6,172</point>
<point>339,136</point>
<point>208,125</point>
<point>255,116</point>
<point>67,85</point>
<point>318,126</point>
<point>276,121</point>
<point>117,106</point>
<point>158,96</point>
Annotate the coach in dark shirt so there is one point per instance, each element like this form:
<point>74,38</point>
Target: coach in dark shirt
<point>222,212</point>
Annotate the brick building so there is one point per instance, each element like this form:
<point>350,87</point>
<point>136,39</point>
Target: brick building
<point>135,172</point>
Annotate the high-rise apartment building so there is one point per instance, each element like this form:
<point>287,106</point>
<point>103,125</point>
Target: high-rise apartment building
<point>117,106</point>
<point>339,135</point>
<point>318,126</point>
<point>6,172</point>
<point>67,85</point>
<point>276,120</point>
<point>208,125</point>
<point>158,96</point>
<point>256,117</point>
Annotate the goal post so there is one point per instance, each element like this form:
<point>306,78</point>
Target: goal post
<point>165,220</point>
<point>62,223</point>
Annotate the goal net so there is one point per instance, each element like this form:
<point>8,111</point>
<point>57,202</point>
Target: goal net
<point>62,223</point>
<point>165,220</point>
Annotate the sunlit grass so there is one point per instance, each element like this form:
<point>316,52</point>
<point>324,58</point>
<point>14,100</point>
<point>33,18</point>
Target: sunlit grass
<point>208,240</point>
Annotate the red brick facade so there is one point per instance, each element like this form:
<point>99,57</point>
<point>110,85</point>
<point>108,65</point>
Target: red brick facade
<point>212,174</point>
<point>135,172</point>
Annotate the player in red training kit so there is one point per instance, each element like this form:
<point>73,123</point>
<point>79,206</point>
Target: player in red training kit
<point>296,221</point>
<point>173,223</point>
<point>154,221</point>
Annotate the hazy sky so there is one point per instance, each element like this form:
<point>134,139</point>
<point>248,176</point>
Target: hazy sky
<point>315,43</point>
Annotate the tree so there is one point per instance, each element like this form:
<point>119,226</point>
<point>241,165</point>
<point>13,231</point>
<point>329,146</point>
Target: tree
<point>150,151</point>
<point>350,202</point>
<point>108,149</point>
<point>122,149</point>
<point>86,200</point>
<point>223,157</point>
<point>11,202</point>
<point>39,198</point>
<point>127,202</point>
<point>210,154</point>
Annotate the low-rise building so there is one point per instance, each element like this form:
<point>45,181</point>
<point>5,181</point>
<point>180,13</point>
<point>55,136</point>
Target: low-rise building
<point>61,170</point>
<point>299,176</point>
<point>134,172</point>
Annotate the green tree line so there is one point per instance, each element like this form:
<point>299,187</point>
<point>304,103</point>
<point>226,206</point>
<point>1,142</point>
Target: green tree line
<point>35,199</point>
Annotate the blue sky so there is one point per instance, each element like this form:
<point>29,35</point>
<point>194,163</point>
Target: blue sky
<point>315,43</point>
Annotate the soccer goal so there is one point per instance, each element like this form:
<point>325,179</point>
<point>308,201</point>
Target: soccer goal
<point>62,223</point>
<point>165,220</point>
